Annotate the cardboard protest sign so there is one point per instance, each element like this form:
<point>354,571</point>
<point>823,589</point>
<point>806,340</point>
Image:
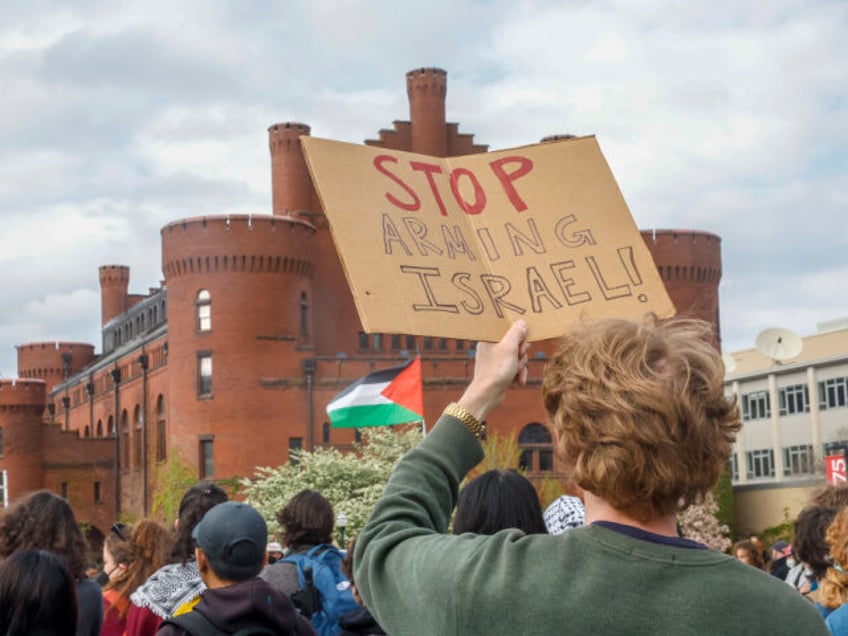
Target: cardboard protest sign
<point>461,247</point>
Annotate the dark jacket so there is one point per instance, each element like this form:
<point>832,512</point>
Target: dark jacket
<point>359,622</point>
<point>251,602</point>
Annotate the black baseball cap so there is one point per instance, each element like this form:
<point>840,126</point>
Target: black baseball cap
<point>233,536</point>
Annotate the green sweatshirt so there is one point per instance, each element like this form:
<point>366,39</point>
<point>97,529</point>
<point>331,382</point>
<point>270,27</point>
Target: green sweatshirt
<point>417,580</point>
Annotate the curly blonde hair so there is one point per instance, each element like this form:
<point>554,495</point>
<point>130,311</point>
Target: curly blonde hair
<point>834,587</point>
<point>640,412</point>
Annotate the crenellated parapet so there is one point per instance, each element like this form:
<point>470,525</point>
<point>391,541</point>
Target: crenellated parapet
<point>53,361</point>
<point>240,244</point>
<point>689,263</point>
<point>23,394</point>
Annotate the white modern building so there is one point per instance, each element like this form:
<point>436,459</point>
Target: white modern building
<point>795,412</point>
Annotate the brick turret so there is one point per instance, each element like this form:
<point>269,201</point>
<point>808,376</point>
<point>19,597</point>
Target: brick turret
<point>114,283</point>
<point>292,191</point>
<point>427,88</point>
<point>53,362</point>
<point>21,405</point>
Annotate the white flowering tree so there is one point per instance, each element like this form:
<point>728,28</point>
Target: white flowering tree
<point>699,523</point>
<point>352,482</point>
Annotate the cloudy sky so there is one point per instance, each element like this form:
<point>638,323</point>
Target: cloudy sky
<point>119,117</point>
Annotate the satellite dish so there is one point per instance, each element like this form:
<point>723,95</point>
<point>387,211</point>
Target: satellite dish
<point>729,362</point>
<point>779,344</point>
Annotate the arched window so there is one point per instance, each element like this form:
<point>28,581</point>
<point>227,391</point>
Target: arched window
<point>138,444</point>
<point>204,310</point>
<point>325,433</point>
<point>99,429</point>
<point>537,451</point>
<point>110,427</point>
<point>86,431</point>
<point>161,438</point>
<point>125,440</point>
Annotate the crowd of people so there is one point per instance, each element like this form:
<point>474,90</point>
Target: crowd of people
<point>640,417</point>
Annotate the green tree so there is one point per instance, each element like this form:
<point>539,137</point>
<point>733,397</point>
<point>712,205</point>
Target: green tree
<point>351,482</point>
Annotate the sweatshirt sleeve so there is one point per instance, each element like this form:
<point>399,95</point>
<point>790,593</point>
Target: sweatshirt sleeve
<point>405,565</point>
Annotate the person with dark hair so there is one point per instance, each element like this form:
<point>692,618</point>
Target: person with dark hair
<point>358,622</point>
<point>496,500</point>
<point>37,595</point>
<point>747,551</point>
<point>810,545</point>
<point>43,520</point>
<point>643,426</point>
<point>310,573</point>
<point>307,521</point>
<point>230,553</point>
<point>129,562</point>
<point>176,587</point>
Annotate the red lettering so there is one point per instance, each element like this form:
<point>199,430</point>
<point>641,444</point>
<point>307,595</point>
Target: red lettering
<point>506,178</point>
<point>479,196</point>
<point>430,169</point>
<point>379,160</point>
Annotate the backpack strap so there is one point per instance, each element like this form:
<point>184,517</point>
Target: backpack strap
<point>195,623</point>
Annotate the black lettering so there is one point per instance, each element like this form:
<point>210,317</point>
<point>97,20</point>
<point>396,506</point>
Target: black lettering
<point>538,290</point>
<point>418,230</point>
<point>423,274</point>
<point>575,238</point>
<point>391,235</point>
<point>497,287</point>
<point>610,293</point>
<point>566,284</point>
<point>460,281</point>
<point>485,236</point>
<point>455,242</point>
<point>517,238</point>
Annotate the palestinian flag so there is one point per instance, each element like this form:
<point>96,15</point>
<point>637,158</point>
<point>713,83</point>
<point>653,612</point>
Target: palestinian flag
<point>384,398</point>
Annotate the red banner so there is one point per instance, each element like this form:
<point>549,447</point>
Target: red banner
<point>836,469</point>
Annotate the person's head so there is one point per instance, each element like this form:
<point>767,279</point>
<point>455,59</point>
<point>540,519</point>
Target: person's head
<point>307,519</point>
<point>347,570</point>
<point>37,595</point>
<point>274,551</point>
<point>640,414</point>
<point>43,520</point>
<point>747,552</point>
<point>779,550</point>
<point>231,540</point>
<point>147,548</point>
<point>195,503</point>
<point>117,556</point>
<point>835,496</point>
<point>809,544</point>
<point>834,588</point>
<point>498,499</point>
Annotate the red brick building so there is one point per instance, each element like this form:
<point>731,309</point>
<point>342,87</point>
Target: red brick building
<point>230,363</point>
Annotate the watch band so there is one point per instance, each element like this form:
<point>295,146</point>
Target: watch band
<point>469,421</point>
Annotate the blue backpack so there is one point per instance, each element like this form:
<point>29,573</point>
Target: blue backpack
<point>324,595</point>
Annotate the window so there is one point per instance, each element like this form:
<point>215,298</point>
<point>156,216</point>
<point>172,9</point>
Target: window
<point>1,441</point>
<point>755,406</point>
<point>204,374</point>
<point>460,345</point>
<point>98,495</point>
<point>357,435</point>
<point>304,315</point>
<point>4,493</point>
<point>63,489</point>
<point>428,343</point>
<point>395,342</point>
<point>363,340</point>
<point>443,344</point>
<point>536,445</point>
<point>325,433</point>
<point>295,444</point>
<point>99,429</point>
<point>798,460</point>
<point>204,310</point>
<point>734,467</point>
<point>206,460</point>
<point>794,399</point>
<point>161,437</point>
<point>378,342</point>
<point>110,426</point>
<point>760,463</point>
<point>833,393</point>
<point>138,444</point>
<point>410,343</point>
<point>125,440</point>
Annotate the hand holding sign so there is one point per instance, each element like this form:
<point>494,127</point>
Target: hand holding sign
<point>462,247</point>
